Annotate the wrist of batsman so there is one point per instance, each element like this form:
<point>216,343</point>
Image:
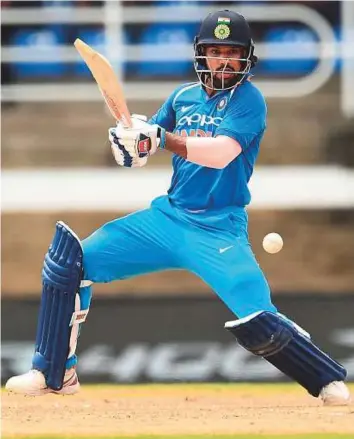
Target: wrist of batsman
<point>139,143</point>
<point>148,143</point>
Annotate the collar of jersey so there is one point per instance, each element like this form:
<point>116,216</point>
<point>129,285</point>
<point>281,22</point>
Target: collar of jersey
<point>216,95</point>
<point>220,92</point>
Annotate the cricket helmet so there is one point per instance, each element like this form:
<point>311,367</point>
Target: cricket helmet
<point>223,28</point>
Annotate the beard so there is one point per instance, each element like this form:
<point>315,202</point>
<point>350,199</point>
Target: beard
<point>228,82</point>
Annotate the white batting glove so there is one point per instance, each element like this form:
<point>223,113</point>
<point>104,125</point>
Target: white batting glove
<point>140,141</point>
<point>121,156</point>
<point>124,159</point>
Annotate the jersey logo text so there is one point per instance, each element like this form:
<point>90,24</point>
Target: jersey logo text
<point>201,119</point>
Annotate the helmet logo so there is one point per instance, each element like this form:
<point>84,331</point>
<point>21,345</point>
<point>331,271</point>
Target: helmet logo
<point>224,20</point>
<point>222,31</point>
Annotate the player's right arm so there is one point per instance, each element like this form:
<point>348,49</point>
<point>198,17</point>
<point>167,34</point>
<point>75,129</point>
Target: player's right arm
<point>165,118</point>
<point>245,120</point>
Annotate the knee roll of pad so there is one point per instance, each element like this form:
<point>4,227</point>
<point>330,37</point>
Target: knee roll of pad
<point>59,308</point>
<point>277,340</point>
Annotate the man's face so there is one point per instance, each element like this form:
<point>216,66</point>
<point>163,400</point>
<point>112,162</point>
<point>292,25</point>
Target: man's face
<point>224,60</point>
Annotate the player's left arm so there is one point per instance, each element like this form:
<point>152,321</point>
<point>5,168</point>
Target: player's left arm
<point>244,120</point>
<point>213,152</point>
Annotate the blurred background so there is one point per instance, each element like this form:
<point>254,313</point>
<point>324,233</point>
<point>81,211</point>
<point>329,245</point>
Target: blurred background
<point>57,165</point>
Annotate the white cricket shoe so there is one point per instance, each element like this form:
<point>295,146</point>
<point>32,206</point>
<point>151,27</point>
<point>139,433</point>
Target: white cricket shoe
<point>335,393</point>
<point>33,383</point>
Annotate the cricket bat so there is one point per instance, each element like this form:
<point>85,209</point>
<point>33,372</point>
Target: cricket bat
<point>107,82</point>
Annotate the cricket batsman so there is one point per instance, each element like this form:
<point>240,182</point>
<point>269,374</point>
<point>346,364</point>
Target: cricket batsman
<point>213,128</point>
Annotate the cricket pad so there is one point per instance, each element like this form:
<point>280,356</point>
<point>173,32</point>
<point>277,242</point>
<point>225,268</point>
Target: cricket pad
<point>61,276</point>
<point>278,341</point>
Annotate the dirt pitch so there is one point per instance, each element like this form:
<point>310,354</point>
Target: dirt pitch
<point>174,410</point>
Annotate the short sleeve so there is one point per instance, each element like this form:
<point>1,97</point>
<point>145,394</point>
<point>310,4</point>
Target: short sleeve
<point>166,115</point>
<point>245,116</point>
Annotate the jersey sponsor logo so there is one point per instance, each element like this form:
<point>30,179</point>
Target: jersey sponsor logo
<point>194,133</point>
<point>200,119</point>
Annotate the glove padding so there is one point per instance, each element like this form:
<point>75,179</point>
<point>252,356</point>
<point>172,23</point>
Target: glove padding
<point>124,159</point>
<point>132,146</point>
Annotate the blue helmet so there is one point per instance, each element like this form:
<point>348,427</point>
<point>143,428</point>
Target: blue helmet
<point>223,28</point>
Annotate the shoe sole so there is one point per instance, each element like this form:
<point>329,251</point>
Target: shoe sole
<point>333,401</point>
<point>70,390</point>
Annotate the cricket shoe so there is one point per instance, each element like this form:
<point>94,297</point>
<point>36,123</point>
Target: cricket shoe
<point>33,383</point>
<point>335,393</point>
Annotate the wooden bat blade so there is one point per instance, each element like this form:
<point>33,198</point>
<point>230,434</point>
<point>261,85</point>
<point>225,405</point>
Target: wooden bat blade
<point>107,82</point>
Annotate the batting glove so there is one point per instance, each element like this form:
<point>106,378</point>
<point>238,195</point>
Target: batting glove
<point>140,141</point>
<point>123,158</point>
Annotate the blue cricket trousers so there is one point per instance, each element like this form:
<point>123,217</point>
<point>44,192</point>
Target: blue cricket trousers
<point>212,245</point>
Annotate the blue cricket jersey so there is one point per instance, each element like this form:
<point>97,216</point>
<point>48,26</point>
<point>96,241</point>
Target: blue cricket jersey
<point>239,113</point>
